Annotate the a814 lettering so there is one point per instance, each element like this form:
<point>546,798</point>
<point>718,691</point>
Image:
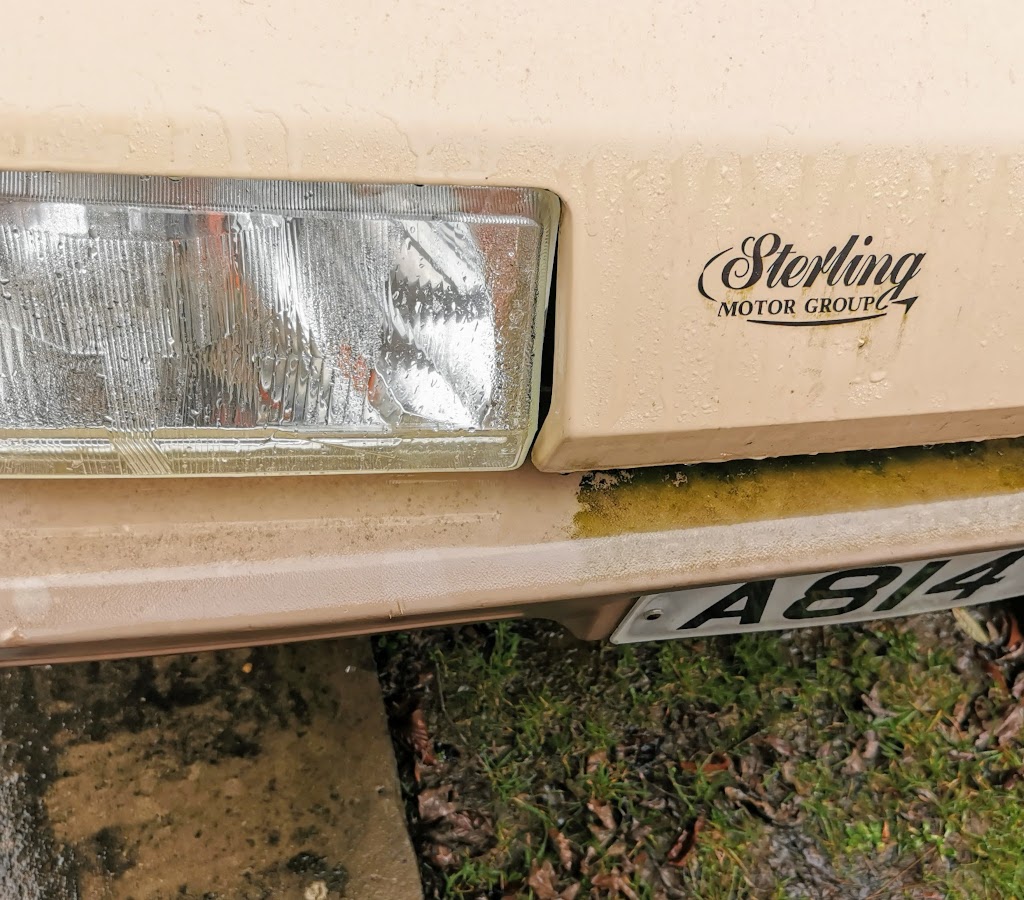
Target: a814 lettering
<point>747,602</point>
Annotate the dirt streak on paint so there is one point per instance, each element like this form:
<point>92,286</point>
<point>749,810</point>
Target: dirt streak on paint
<point>672,497</point>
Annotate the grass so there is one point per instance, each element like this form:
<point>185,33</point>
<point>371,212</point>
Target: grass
<point>753,736</point>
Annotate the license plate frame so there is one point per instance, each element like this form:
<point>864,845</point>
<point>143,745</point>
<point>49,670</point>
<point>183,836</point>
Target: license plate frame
<point>825,597</point>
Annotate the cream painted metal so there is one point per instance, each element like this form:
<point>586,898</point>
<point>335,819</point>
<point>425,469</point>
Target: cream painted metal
<point>672,133</point>
<point>144,565</point>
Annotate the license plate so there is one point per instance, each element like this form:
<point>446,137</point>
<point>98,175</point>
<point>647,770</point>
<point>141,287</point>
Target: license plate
<point>826,598</point>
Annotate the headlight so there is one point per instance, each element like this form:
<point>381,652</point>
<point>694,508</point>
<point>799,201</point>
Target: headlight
<point>154,326</point>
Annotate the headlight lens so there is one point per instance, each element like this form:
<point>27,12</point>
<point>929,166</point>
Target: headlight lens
<point>154,326</point>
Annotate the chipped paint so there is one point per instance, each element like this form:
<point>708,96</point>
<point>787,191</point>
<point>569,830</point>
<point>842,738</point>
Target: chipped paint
<point>673,497</point>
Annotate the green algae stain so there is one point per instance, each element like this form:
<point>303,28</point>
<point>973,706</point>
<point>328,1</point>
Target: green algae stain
<point>673,497</point>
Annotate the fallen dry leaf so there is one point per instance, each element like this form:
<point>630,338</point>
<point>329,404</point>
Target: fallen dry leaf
<point>761,806</point>
<point>420,738</point>
<point>657,803</point>
<point>542,881</point>
<point>1014,640</point>
<point>995,672</point>
<point>433,803</point>
<point>786,814</point>
<point>467,829</point>
<point>604,814</point>
<point>596,760</point>
<point>1011,638</point>
<point>440,855</point>
<point>617,849</point>
<point>638,834</point>
<point>615,883</point>
<point>969,625</point>
<point>1011,726</point>
<point>684,844</point>
<point>994,634</point>
<point>751,768</point>
<point>462,828</point>
<point>780,746</point>
<point>960,712</point>
<point>563,847</point>
<point>718,762</point>
<point>588,861</point>
<point>885,830</point>
<point>788,773</point>
<point>854,764</point>
<point>871,746</point>
<point>870,700</point>
<point>669,884</point>
<point>649,874</point>
<point>1018,686</point>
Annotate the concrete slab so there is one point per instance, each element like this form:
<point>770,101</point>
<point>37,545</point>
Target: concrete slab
<point>239,774</point>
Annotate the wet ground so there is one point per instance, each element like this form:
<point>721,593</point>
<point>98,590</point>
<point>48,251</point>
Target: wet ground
<point>876,761</point>
<point>240,774</point>
<point>881,760</point>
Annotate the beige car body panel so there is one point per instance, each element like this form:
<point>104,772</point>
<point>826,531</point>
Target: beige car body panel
<point>671,132</point>
<point>107,569</point>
